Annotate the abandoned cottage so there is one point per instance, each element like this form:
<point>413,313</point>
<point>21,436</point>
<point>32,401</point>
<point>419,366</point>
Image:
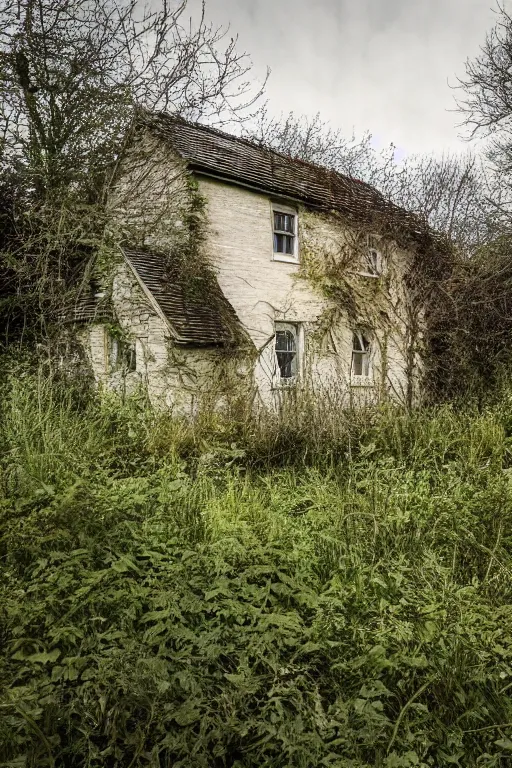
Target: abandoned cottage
<point>236,267</point>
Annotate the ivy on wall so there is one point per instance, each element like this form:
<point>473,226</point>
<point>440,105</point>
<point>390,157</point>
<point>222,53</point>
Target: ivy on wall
<point>397,304</point>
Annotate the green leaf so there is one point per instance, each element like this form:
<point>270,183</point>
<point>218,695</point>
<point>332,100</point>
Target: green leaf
<point>44,658</point>
<point>187,714</point>
<point>125,564</point>
<point>504,743</point>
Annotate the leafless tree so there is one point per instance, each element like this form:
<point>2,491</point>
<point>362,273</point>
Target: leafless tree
<point>450,193</point>
<point>73,71</point>
<point>487,87</point>
<point>485,101</point>
<point>473,328</point>
<point>316,141</point>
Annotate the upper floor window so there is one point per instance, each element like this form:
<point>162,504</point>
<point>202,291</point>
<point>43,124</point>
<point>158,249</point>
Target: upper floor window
<point>361,371</point>
<point>287,352</point>
<point>373,257</point>
<point>285,233</point>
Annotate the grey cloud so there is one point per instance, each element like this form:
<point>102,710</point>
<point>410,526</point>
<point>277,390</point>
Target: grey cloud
<point>378,65</point>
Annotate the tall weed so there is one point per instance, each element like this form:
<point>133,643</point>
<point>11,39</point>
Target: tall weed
<point>253,593</point>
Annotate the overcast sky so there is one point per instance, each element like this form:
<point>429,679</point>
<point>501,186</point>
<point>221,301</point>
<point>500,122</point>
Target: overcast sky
<point>378,65</point>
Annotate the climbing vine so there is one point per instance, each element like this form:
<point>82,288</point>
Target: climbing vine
<point>395,305</point>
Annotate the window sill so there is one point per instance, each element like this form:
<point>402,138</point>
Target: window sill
<point>286,259</point>
<point>284,384</point>
<point>369,274</point>
<point>362,381</point>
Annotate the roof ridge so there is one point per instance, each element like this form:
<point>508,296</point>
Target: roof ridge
<point>259,145</point>
<point>237,160</point>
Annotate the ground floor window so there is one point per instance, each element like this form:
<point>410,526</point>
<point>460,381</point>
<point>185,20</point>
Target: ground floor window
<point>121,355</point>
<point>361,356</point>
<point>286,352</point>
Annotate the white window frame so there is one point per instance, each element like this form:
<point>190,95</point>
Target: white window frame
<point>297,331</point>
<point>373,261</point>
<point>362,380</point>
<point>290,258</point>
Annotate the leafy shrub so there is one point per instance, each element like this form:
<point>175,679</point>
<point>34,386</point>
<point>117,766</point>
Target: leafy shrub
<point>171,596</point>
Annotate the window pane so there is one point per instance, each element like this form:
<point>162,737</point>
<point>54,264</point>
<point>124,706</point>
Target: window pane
<point>285,341</point>
<point>284,222</point>
<point>283,244</point>
<point>279,243</point>
<point>122,355</point>
<point>129,360</point>
<point>288,223</point>
<point>286,354</point>
<point>360,355</point>
<point>286,363</point>
<point>357,364</point>
<point>373,261</point>
<point>360,343</point>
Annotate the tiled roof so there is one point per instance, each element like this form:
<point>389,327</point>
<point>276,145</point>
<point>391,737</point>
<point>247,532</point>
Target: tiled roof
<point>240,161</point>
<point>90,308</point>
<point>196,308</point>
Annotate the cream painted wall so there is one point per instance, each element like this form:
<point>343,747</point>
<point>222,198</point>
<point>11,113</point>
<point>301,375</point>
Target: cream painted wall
<point>149,194</point>
<point>262,291</point>
<point>152,189</point>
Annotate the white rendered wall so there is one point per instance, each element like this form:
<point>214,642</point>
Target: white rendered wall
<point>151,189</point>
<point>263,291</point>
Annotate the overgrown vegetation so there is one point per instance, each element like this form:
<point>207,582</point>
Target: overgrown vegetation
<point>73,76</point>
<point>328,591</point>
<point>314,588</point>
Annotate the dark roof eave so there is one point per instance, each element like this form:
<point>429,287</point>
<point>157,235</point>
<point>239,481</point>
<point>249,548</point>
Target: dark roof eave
<point>183,342</point>
<point>263,188</point>
<point>267,189</point>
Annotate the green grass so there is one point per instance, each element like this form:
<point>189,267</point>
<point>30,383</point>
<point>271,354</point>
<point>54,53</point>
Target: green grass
<point>235,593</point>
